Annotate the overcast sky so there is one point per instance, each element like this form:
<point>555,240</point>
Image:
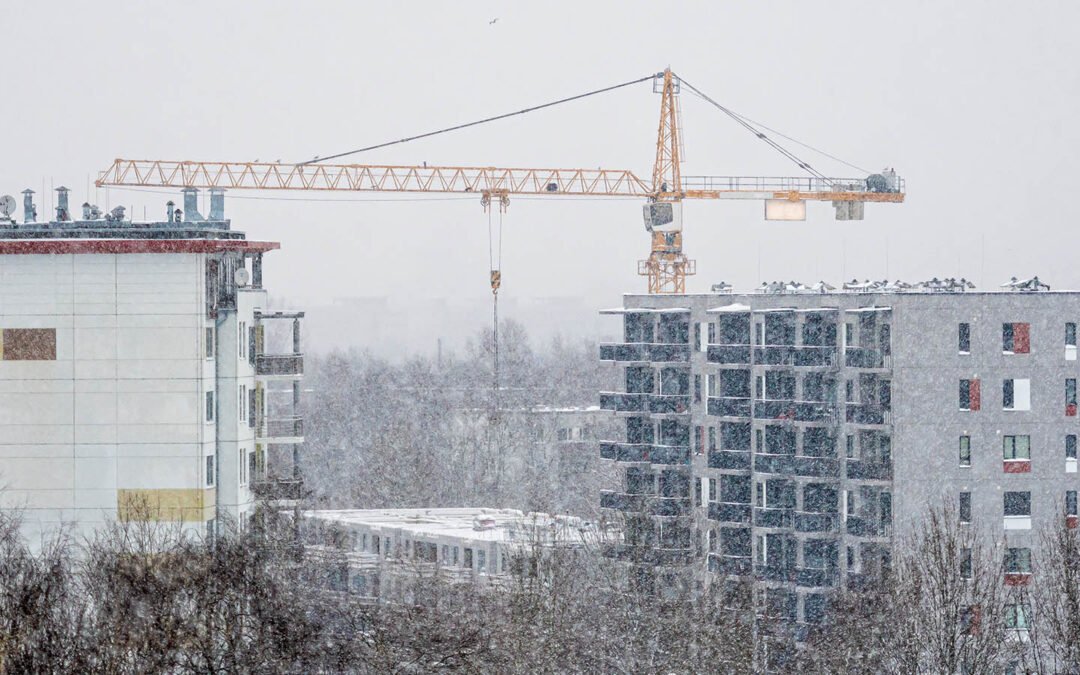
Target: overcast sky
<point>974,103</point>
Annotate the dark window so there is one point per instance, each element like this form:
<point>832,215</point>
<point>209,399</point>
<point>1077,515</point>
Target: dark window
<point>209,406</point>
<point>697,491</point>
<point>209,343</point>
<point>1070,335</point>
<point>965,507</point>
<point>886,508</point>
<point>965,338</point>
<point>639,430</point>
<point>251,407</point>
<point>820,498</point>
<point>735,383</point>
<point>734,329</point>
<point>965,451</point>
<point>1017,503</point>
<point>851,446</point>
<point>712,438</point>
<point>779,441</point>
<point>970,397</point>
<point>1018,561</point>
<point>965,563</point>
<point>819,554</point>
<point>885,394</point>
<point>735,489</point>
<point>638,328</point>
<point>639,380</point>
<point>1070,391</point>
<point>468,558</point>
<point>735,541</point>
<point>818,442</point>
<point>886,340</point>
<point>209,470</point>
<point>779,494</point>
<point>1006,337</point>
<point>815,605</point>
<point>1007,394</point>
<point>697,389</point>
<point>780,328</point>
<point>1070,502</point>
<point>1070,446</point>
<point>735,435</point>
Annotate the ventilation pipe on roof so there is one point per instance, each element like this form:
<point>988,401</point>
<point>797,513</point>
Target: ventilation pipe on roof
<point>191,205</point>
<point>169,206</point>
<point>62,213</point>
<point>217,204</point>
<point>29,210</point>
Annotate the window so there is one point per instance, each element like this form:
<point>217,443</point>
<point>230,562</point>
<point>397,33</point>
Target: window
<point>714,494</point>
<point>209,406</point>
<point>970,398</point>
<point>1017,447</point>
<point>1070,397</point>
<point>455,555</point>
<point>468,558</point>
<point>820,498</point>
<point>712,438</point>
<point>849,503</point>
<point>849,391</point>
<point>697,389</point>
<point>1015,338</point>
<point>851,446</point>
<point>242,465</point>
<point>251,467</point>
<point>965,563</point>
<point>1070,335</point>
<point>1017,503</point>
<point>697,491</point>
<point>965,451</point>
<point>699,440</point>
<point>210,471</point>
<point>251,408</point>
<point>849,335</point>
<point>241,339</point>
<point>1018,561</point>
<point>814,607</point>
<point>965,507</point>
<point>885,340</point>
<point>209,343</point>
<point>1070,446</point>
<point>851,557</point>
<point>1016,394</point>
<point>481,560</point>
<point>1070,502</point>
<point>965,338</point>
<point>1016,617</point>
<point>241,408</point>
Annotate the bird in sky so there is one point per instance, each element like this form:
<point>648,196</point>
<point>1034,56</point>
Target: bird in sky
<point>492,22</point>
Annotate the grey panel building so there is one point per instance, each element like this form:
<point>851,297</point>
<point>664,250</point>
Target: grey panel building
<point>791,435</point>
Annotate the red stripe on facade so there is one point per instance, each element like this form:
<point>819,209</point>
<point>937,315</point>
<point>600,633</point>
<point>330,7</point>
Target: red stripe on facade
<point>1071,522</point>
<point>1017,466</point>
<point>88,246</point>
<point>1017,579</point>
<point>974,395</point>
<point>1070,410</point>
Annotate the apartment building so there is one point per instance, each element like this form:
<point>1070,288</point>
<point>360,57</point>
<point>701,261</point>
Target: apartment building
<point>788,435</point>
<point>134,380</point>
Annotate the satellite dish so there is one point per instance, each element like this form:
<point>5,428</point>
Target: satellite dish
<point>241,276</point>
<point>7,205</point>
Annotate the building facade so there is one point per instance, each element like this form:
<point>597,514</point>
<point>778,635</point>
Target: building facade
<point>379,553</point>
<point>789,436</point>
<point>134,382</point>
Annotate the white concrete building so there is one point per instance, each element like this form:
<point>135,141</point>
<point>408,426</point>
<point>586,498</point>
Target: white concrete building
<point>382,550</point>
<point>132,378</point>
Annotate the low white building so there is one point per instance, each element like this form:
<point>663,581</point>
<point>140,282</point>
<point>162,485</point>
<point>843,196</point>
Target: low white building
<point>381,550</point>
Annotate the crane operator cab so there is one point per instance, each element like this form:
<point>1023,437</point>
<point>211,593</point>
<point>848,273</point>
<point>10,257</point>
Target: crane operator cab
<point>886,181</point>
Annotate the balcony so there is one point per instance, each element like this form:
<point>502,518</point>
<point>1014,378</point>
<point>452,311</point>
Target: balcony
<point>799,411</point>
<point>816,467</point>
<point>624,351</point>
<point>812,577</point>
<point>669,353</point>
<point>863,357</point>
<point>729,407</point>
<point>730,564</point>
<point>866,527</point>
<point>867,413</point>
<point>279,365</point>
<point>278,489</point>
<point>764,517</point>
<point>621,501</point>
<point>815,357</point>
<point>866,469</point>
<point>729,354</point>
<point>669,506</point>
<point>729,459</point>
<point>816,522</point>
<point>774,572</point>
<point>625,452</point>
<point>622,402</point>
<point>779,464</point>
<point>282,430</point>
<point>661,403</point>
<point>729,513</point>
<point>774,355</point>
<point>669,454</point>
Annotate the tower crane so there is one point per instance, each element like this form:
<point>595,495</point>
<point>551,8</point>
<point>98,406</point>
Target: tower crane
<point>667,265</point>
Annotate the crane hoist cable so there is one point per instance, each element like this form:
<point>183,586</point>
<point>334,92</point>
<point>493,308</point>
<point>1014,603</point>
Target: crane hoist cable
<point>495,265</point>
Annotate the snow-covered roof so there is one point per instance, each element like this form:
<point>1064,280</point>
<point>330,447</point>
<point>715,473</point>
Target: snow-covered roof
<point>860,310</point>
<point>733,307</point>
<point>628,310</point>
<point>769,310</point>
